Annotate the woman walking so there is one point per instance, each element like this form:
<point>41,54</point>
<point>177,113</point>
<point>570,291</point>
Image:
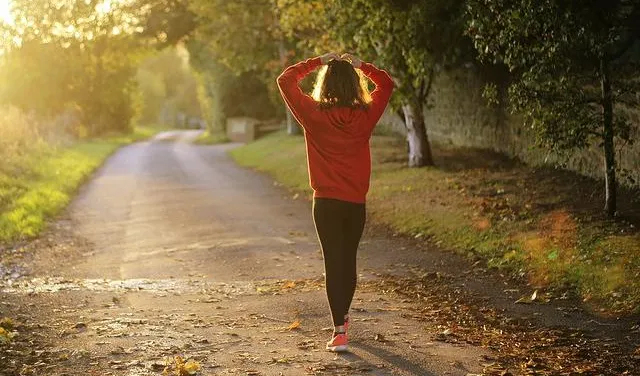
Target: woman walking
<point>338,121</point>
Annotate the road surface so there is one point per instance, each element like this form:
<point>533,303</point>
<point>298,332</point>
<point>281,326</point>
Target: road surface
<point>171,249</point>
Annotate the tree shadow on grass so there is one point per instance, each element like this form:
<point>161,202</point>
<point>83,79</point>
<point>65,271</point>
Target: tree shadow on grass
<point>543,189</point>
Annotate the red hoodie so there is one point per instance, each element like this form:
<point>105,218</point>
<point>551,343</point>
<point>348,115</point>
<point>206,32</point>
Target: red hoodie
<point>337,139</point>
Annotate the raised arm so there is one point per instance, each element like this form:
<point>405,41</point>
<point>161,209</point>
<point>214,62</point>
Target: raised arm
<point>384,87</point>
<point>289,80</point>
<point>298,102</point>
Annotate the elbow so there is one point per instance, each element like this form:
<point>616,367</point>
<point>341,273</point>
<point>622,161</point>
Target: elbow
<point>388,86</point>
<point>390,82</point>
<point>392,85</point>
<point>283,81</point>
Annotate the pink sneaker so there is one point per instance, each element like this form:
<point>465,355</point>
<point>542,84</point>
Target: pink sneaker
<point>338,343</point>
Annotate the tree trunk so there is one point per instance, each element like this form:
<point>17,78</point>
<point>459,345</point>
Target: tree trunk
<point>609,151</point>
<point>292,124</point>
<point>419,147</point>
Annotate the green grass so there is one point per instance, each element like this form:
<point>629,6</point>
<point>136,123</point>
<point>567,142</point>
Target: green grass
<point>208,138</point>
<point>139,133</point>
<point>553,248</point>
<point>47,179</point>
<point>281,156</point>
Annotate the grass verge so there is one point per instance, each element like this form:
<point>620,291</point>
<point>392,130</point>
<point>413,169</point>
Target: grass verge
<point>541,225</point>
<point>208,138</point>
<point>46,179</point>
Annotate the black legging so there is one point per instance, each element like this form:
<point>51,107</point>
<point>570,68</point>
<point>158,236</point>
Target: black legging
<point>339,225</point>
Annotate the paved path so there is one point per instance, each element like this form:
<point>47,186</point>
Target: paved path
<point>174,250</point>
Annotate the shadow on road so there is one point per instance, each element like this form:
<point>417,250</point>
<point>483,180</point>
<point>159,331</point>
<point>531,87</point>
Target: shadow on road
<point>397,361</point>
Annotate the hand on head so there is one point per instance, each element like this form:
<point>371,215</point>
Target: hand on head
<point>326,58</point>
<point>352,59</point>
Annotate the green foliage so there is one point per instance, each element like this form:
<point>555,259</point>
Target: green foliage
<point>42,177</point>
<point>210,138</point>
<point>82,55</point>
<point>304,23</point>
<point>411,39</point>
<point>20,136</point>
<point>153,95</point>
<point>167,22</point>
<point>241,34</point>
<point>573,69</point>
<point>554,52</point>
<point>169,88</point>
<point>224,93</point>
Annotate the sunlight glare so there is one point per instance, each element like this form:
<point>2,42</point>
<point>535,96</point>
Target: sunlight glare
<point>5,12</point>
<point>104,7</point>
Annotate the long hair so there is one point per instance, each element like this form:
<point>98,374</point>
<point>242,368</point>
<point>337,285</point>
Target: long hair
<point>338,84</point>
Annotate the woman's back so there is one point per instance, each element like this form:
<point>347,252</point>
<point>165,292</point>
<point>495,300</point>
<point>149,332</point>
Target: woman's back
<point>337,131</point>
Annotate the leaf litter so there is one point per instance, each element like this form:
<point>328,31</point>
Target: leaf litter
<point>181,367</point>
<point>520,347</point>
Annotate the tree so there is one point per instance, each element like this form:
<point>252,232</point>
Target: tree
<point>74,53</point>
<point>245,36</point>
<point>224,93</point>
<point>414,40</point>
<point>571,67</point>
<point>168,22</point>
<point>169,87</point>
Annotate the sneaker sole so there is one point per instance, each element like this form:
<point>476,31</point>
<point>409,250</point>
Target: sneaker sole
<point>341,348</point>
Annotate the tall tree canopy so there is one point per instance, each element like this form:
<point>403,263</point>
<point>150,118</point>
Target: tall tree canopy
<point>244,36</point>
<point>72,53</point>
<point>414,40</point>
<point>572,66</point>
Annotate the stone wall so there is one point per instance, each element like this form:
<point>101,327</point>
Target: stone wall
<point>241,129</point>
<point>461,117</point>
<point>247,129</point>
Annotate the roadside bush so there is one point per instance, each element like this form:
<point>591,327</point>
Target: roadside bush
<point>20,138</point>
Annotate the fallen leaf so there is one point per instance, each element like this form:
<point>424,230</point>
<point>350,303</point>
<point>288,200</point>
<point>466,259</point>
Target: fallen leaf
<point>380,338</point>
<point>294,325</point>
<point>523,300</point>
<point>5,336</point>
<point>191,367</point>
<point>182,368</point>
<point>7,323</point>
<point>289,285</point>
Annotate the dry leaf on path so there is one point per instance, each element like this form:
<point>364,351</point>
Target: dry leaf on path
<point>182,368</point>
<point>528,299</point>
<point>294,325</point>
<point>7,323</point>
<point>191,367</point>
<point>289,285</point>
<point>5,336</point>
